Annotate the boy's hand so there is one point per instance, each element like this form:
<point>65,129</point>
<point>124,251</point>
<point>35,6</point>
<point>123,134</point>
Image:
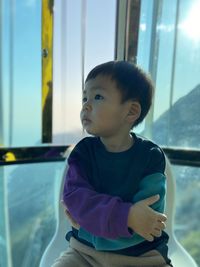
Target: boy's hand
<point>71,220</point>
<point>144,220</point>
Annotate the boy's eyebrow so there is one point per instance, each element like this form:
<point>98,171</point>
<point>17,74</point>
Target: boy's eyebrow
<point>94,88</point>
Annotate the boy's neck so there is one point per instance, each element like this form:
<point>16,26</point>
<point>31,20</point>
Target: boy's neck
<point>117,144</point>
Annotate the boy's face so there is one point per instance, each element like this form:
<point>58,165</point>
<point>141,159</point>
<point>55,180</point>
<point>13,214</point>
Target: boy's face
<point>102,112</point>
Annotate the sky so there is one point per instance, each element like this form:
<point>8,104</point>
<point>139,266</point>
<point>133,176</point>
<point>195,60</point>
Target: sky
<point>99,47</point>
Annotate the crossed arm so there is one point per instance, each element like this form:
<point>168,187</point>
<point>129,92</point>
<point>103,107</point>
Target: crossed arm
<point>97,213</point>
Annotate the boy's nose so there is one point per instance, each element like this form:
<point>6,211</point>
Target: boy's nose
<point>87,106</point>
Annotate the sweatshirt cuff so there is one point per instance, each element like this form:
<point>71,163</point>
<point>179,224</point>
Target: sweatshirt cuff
<point>83,234</point>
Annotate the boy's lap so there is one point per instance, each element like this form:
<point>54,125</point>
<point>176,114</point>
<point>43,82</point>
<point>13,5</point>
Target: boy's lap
<point>70,258</point>
<point>83,256</point>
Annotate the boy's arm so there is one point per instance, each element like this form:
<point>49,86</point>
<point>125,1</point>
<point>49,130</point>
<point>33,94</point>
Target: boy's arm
<point>97,213</point>
<point>140,219</point>
<point>152,184</point>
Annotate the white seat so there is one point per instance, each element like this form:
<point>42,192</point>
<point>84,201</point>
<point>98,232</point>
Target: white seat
<point>179,256</point>
<point>58,242</point>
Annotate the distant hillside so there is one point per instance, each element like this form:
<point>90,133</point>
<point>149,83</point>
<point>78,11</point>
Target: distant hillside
<point>182,122</point>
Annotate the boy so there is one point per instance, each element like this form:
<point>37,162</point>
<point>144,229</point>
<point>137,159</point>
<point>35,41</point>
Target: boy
<point>115,176</point>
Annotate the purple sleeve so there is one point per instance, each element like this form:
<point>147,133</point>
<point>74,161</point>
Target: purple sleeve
<point>100,214</point>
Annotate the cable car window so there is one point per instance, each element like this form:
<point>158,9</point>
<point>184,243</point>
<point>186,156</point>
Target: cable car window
<point>20,73</point>
<point>30,197</point>
<point>188,209</point>
<point>169,48</point>
<point>29,192</point>
<point>78,47</point>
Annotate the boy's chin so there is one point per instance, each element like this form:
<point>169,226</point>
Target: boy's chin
<point>90,132</point>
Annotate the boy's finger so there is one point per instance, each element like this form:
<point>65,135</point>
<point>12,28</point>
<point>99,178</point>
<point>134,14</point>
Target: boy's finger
<point>149,237</point>
<point>63,203</point>
<point>161,225</point>
<point>162,217</point>
<point>69,215</point>
<point>151,200</point>
<point>156,232</point>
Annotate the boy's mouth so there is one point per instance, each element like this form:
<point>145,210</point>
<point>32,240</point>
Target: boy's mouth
<point>85,120</point>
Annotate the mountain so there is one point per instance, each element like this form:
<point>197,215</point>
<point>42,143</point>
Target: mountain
<point>180,126</point>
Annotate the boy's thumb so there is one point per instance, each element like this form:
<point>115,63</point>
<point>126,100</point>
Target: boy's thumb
<point>151,200</point>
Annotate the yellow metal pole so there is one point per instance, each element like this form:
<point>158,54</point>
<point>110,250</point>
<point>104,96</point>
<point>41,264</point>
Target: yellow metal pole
<point>47,69</point>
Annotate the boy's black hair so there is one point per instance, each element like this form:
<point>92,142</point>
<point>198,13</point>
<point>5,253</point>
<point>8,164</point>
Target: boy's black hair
<point>132,82</point>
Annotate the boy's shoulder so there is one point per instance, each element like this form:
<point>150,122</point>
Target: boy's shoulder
<point>83,147</point>
<point>152,151</point>
<point>148,144</point>
<point>86,141</point>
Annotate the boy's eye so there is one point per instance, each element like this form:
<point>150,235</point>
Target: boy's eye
<point>98,97</point>
<point>84,99</point>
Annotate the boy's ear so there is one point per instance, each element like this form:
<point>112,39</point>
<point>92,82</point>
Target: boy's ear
<point>134,112</point>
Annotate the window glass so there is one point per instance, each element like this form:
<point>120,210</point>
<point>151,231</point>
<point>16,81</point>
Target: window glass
<point>84,36</point>
<point>187,226</point>
<point>31,197</point>
<point>169,48</point>
<point>30,192</point>
<point>21,72</point>
<point>182,118</point>
<point>67,71</point>
<point>3,226</point>
<point>81,30</point>
<point>100,33</point>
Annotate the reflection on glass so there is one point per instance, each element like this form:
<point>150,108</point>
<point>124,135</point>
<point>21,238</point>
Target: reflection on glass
<point>33,195</point>
<point>72,26</point>
<point>190,26</point>
<point>21,65</point>
<point>187,226</point>
<point>4,242</point>
<point>32,154</point>
<point>177,97</point>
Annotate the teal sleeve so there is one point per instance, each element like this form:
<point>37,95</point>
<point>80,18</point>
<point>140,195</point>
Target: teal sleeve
<point>150,185</point>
